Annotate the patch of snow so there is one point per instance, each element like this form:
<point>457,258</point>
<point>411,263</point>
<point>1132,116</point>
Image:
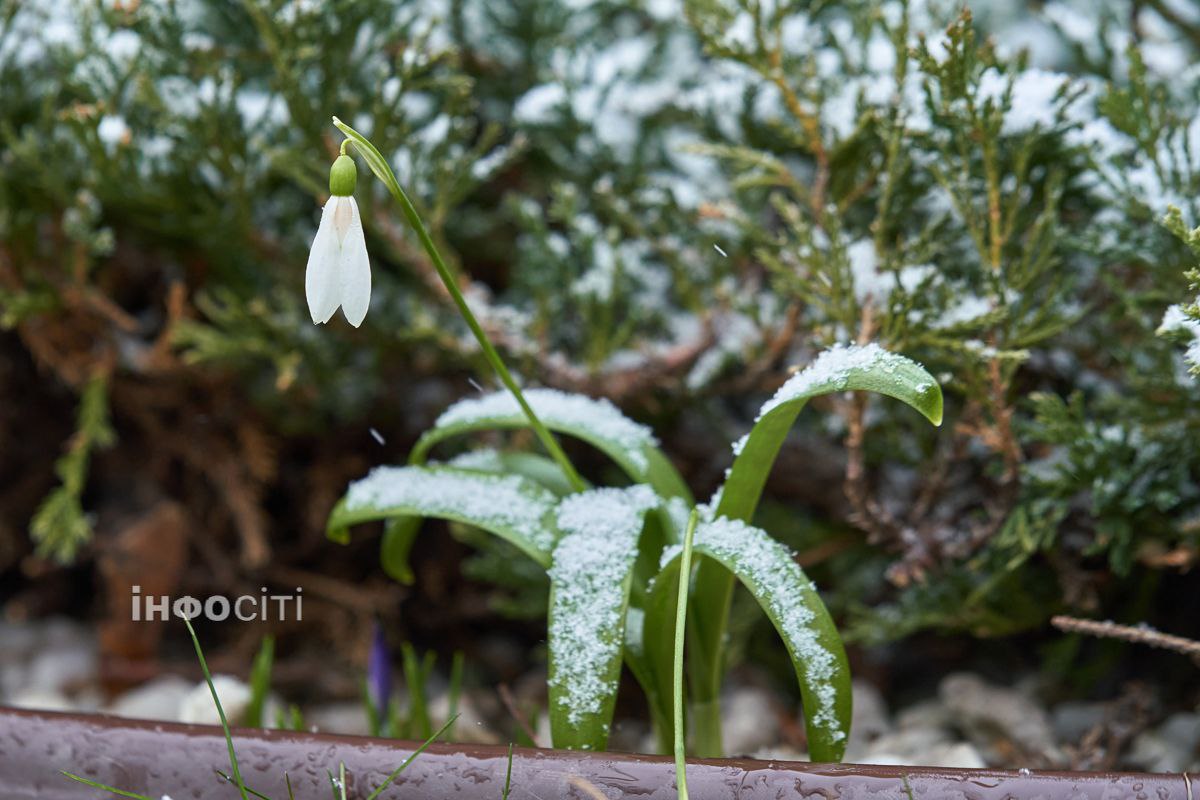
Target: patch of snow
<point>871,284</point>
<point>833,368</point>
<point>537,106</point>
<point>966,308</point>
<point>1176,321</point>
<point>113,130</point>
<point>1036,97</point>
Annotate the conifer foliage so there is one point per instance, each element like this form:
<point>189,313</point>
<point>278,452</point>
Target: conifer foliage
<point>665,203</point>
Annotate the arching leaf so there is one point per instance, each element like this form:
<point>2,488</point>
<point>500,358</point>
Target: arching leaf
<point>788,597</point>
<point>537,468</point>
<point>839,369</point>
<point>512,507</point>
<point>598,422</point>
<point>590,580</point>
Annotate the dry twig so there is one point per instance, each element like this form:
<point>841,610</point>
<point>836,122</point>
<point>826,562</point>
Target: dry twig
<point>1129,633</point>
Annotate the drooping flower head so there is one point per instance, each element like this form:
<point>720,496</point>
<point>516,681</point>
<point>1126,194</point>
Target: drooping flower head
<point>339,273</point>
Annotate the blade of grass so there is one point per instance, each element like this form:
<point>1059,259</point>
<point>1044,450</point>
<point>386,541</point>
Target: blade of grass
<point>260,682</point>
<point>508,774</point>
<point>233,762</point>
<point>414,676</point>
<point>297,718</point>
<point>455,691</point>
<point>410,759</point>
<point>685,572</point>
<point>287,779</point>
<point>229,779</point>
<point>104,787</point>
<point>342,778</point>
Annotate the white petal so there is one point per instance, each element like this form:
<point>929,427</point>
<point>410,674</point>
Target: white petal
<point>355,270</point>
<point>321,284</point>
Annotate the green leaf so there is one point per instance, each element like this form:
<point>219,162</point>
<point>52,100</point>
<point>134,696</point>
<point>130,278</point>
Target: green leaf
<point>839,369</point>
<point>399,533</point>
<point>589,598</point>
<point>648,653</point>
<point>512,507</point>
<point>791,601</point>
<point>598,422</point>
<point>537,468</point>
<point>260,682</point>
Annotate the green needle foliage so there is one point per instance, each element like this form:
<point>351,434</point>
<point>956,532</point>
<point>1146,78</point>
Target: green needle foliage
<point>60,526</point>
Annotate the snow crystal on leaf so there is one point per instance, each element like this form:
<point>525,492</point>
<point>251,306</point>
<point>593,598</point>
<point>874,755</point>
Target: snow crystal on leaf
<point>574,412</point>
<point>591,564</point>
<point>832,369</point>
<point>502,501</point>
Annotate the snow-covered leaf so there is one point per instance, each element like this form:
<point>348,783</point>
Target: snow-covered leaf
<point>839,369</point>
<point>767,569</point>
<point>598,422</point>
<point>590,583</point>
<point>510,506</point>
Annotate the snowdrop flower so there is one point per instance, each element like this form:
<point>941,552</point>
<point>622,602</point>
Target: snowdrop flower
<point>339,273</point>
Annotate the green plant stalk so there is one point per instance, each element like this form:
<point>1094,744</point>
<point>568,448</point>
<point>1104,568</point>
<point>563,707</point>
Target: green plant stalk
<point>383,171</point>
<point>705,672</point>
<point>233,762</point>
<point>685,571</point>
<point>508,774</point>
<point>455,691</point>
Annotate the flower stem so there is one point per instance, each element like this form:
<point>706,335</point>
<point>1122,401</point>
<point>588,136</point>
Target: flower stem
<point>685,575</point>
<point>383,171</point>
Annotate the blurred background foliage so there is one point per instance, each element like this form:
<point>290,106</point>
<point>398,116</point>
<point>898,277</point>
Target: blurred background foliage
<point>670,203</point>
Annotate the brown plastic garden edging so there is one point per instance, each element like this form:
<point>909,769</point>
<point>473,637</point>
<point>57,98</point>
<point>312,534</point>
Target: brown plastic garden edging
<point>181,761</point>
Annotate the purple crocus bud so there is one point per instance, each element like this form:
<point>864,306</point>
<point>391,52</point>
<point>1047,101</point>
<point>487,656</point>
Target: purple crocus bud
<point>379,673</point>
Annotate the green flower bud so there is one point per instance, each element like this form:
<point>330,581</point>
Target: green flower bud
<point>343,175</point>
